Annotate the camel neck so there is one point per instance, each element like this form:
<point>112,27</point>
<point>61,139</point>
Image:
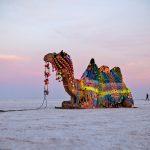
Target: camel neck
<point>68,86</point>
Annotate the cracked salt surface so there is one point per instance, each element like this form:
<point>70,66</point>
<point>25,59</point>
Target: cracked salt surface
<point>105,129</point>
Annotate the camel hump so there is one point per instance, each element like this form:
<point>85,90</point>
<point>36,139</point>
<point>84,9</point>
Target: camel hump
<point>113,75</point>
<point>117,71</point>
<point>92,61</point>
<point>104,69</point>
<point>91,72</point>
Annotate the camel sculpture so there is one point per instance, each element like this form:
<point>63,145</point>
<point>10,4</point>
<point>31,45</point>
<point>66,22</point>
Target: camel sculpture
<point>98,87</point>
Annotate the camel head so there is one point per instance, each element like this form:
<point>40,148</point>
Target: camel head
<point>49,57</point>
<point>61,63</point>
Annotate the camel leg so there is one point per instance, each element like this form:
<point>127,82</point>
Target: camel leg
<point>126,104</point>
<point>73,101</point>
<point>69,105</point>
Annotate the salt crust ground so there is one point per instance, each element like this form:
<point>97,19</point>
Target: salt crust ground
<point>52,129</point>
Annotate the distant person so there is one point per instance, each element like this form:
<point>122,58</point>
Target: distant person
<point>147,97</point>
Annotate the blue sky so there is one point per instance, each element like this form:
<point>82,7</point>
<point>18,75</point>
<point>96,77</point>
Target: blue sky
<point>115,33</point>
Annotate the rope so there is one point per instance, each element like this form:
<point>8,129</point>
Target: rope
<point>46,92</point>
<point>40,107</point>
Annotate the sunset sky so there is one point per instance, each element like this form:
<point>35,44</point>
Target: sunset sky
<point>114,32</point>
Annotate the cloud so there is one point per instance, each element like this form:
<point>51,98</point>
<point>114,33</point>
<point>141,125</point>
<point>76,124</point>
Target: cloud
<point>11,57</point>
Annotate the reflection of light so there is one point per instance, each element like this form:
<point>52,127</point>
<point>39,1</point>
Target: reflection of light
<point>10,57</point>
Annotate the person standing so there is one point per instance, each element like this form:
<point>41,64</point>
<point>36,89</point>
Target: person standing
<point>147,97</point>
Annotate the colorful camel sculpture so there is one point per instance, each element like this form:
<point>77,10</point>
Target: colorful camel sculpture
<point>98,87</point>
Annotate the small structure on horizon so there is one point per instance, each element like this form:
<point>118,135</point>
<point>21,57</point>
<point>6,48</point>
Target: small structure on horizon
<point>147,97</point>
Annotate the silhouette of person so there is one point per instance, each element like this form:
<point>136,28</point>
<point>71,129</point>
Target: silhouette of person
<point>147,97</point>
